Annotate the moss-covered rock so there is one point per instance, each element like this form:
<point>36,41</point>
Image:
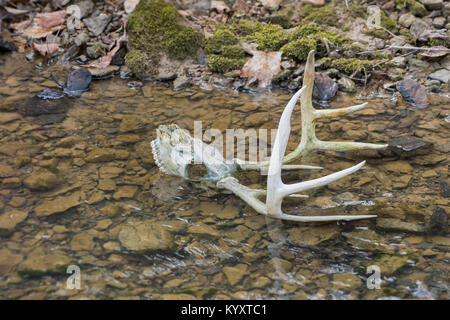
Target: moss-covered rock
<point>224,53</point>
<point>350,65</point>
<point>321,15</point>
<point>140,63</point>
<point>222,37</point>
<point>318,34</point>
<point>413,6</point>
<point>221,64</point>
<point>155,28</point>
<point>269,37</point>
<point>299,49</point>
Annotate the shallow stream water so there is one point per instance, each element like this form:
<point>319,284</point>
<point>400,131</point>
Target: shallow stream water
<point>101,179</point>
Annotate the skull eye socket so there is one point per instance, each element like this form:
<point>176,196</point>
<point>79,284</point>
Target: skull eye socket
<point>196,171</point>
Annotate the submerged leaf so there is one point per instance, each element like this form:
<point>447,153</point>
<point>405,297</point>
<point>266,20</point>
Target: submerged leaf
<point>262,66</point>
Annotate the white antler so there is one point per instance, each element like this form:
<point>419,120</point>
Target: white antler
<point>276,189</point>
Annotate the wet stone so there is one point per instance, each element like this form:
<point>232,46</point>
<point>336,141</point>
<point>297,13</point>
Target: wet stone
<point>389,224</point>
<point>39,263</point>
<point>439,222</point>
<point>8,260</point>
<point>42,179</point>
<point>82,241</point>
<point>235,274</point>
<point>6,171</point>
<point>49,207</point>
<point>389,265</point>
<point>46,102</point>
<point>97,24</point>
<point>414,93</point>
<point>325,88</point>
<point>9,221</point>
<point>77,82</point>
<point>312,236</point>
<point>408,146</point>
<point>146,236</point>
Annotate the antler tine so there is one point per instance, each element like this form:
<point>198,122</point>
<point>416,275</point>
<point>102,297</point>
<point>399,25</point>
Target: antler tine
<point>309,141</point>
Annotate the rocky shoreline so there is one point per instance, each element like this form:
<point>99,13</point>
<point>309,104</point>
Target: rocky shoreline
<point>231,44</point>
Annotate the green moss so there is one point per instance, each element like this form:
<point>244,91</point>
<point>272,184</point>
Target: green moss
<point>281,18</point>
<point>438,42</point>
<point>270,37</point>
<point>377,33</point>
<point>413,6</point>
<point>299,49</point>
<point>140,63</point>
<point>379,55</point>
<point>356,10</point>
<point>316,33</point>
<point>408,36</point>
<point>245,27</point>
<point>233,52</point>
<point>184,43</point>
<point>222,37</point>
<point>322,15</point>
<point>348,66</point>
<point>154,28</point>
<point>387,22</point>
<point>221,64</point>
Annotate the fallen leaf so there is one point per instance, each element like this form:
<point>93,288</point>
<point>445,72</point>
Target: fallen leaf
<point>105,61</point>
<point>41,25</point>
<point>51,19</point>
<point>45,49</point>
<point>263,66</point>
<point>435,53</point>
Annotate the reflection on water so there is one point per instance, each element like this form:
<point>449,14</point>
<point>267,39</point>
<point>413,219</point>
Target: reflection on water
<point>86,191</point>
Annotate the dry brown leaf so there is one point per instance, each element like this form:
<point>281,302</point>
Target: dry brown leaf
<point>51,19</point>
<point>435,53</point>
<point>45,49</point>
<point>41,25</point>
<point>263,66</point>
<point>105,61</point>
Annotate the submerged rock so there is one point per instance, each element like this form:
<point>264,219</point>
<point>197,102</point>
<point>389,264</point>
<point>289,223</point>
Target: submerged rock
<point>389,224</point>
<point>77,82</point>
<point>146,236</point>
<point>442,75</point>
<point>49,106</point>
<point>414,93</point>
<point>235,274</point>
<point>409,146</point>
<point>9,221</point>
<point>39,264</point>
<point>8,260</point>
<point>42,179</point>
<point>439,222</point>
<point>49,207</point>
